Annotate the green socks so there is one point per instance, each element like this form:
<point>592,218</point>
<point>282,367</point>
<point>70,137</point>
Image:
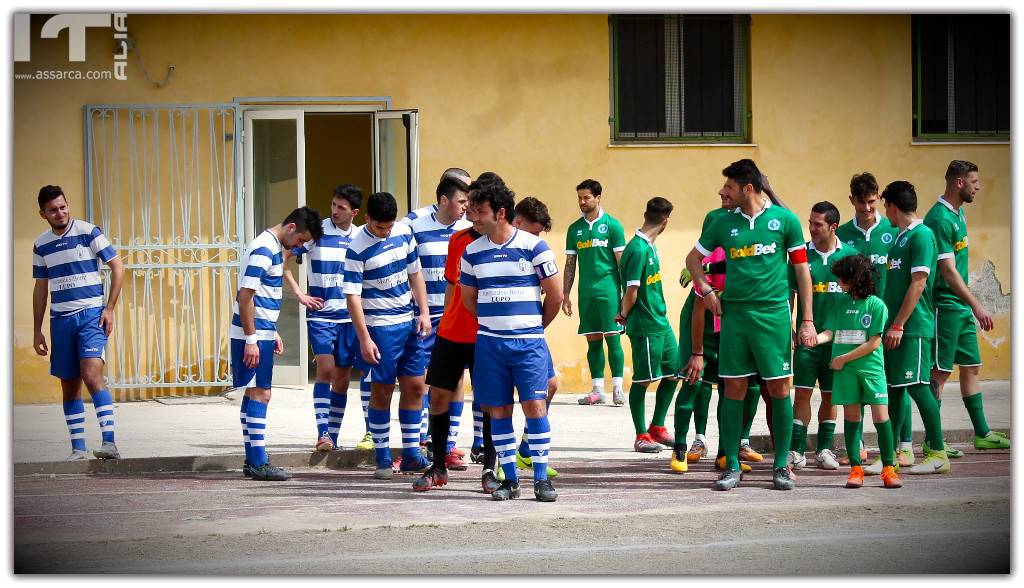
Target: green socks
<point>701,406</point>
<point>663,400</point>
<point>750,409</point>
<point>637,393</point>
<point>595,359</point>
<point>782,417</point>
<point>851,433</point>
<point>799,433</point>
<point>729,424</point>
<point>616,358</point>
<point>906,424</point>
<point>925,400</point>
<point>826,432</point>
<point>977,414</point>
<point>684,408</point>
<point>885,442</point>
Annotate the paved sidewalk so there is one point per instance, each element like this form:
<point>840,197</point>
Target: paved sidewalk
<point>206,430</point>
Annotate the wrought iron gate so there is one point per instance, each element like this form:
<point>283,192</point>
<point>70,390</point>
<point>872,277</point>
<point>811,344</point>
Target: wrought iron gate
<point>162,184</point>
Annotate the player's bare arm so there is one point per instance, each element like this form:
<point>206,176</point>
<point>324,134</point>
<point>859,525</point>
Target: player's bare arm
<point>695,363</point>
<point>947,266</point>
<point>419,294</point>
<point>568,279</point>
<point>368,349</point>
<point>701,284</point>
<point>247,316</point>
<point>918,283</point>
<point>552,289</point>
<point>310,302</point>
<point>40,293</point>
<point>808,336</point>
<point>116,280</point>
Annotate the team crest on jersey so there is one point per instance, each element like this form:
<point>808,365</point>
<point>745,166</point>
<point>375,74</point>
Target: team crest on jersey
<point>602,229</point>
<point>522,265</point>
<point>865,321</point>
<point>774,224</point>
<point>886,238</point>
<point>734,233</point>
<point>903,241</point>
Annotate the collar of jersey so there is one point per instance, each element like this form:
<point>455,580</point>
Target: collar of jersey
<point>951,208</point>
<point>867,232</point>
<point>644,236</point>
<point>910,227</point>
<point>590,225</point>
<point>825,254</point>
<point>766,205</point>
<point>433,215</point>
<point>63,235</point>
<point>505,244</point>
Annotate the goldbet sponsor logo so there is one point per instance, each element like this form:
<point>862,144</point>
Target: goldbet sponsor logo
<point>591,243</point>
<point>654,278</point>
<point>959,245</point>
<point>826,287</point>
<point>752,250</point>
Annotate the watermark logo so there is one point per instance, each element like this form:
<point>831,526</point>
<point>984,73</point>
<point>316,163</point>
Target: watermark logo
<point>76,25</point>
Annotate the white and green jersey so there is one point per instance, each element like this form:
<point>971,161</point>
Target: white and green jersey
<point>912,252</point>
<point>642,268</point>
<point>873,242</point>
<point>950,227</point>
<point>595,244</point>
<point>824,284</point>
<point>853,322</point>
<point>757,251</point>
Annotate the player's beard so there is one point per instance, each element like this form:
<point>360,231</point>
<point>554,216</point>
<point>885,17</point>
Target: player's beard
<point>57,227</point>
<point>966,195</point>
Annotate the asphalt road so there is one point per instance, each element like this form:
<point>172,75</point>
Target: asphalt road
<point>612,517</point>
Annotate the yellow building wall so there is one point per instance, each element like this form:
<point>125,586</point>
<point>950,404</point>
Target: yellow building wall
<point>527,96</point>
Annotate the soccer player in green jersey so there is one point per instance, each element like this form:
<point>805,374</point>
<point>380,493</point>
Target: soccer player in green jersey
<point>642,311</point>
<point>911,328</point>
<point>759,238</point>
<point>812,364</point>
<point>853,330</point>
<point>595,243</point>
<point>871,234</point>
<point>956,337</point>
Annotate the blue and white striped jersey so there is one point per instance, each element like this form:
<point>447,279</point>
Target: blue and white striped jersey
<point>432,248</point>
<point>70,263</point>
<point>424,211</point>
<point>262,270</point>
<point>507,278</point>
<point>378,270</point>
<point>326,273</point>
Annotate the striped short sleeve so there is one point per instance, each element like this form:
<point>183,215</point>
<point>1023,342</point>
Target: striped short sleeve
<point>467,277</point>
<point>101,246</point>
<point>544,260</point>
<point>39,271</point>
<point>260,261</point>
<point>353,273</point>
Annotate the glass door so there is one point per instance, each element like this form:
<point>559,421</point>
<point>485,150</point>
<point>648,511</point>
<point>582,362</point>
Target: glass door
<point>275,184</point>
<point>396,149</point>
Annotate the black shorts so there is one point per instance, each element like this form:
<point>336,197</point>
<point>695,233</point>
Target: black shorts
<point>447,362</point>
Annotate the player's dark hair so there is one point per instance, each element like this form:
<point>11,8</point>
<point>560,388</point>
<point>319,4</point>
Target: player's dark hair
<point>306,219</point>
<point>495,195</point>
<point>829,210</point>
<point>657,210</point>
<point>901,194</point>
<point>534,211</point>
<point>857,272</point>
<point>448,187</point>
<point>486,179</point>
<point>863,185</point>
<point>593,185</point>
<point>382,207</point>
<point>351,194</point>
<point>48,193</point>
<point>958,168</point>
<point>744,172</point>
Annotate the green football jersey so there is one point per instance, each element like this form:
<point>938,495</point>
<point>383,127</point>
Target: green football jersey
<point>713,216</point>
<point>913,249</point>
<point>873,243</point>
<point>641,268</point>
<point>594,244</point>
<point>824,284</point>
<point>756,252</point>
<point>852,323</point>
<point>950,228</point>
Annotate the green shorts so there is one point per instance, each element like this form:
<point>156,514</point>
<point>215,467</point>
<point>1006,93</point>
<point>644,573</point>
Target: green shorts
<point>811,365</point>
<point>852,387</point>
<point>654,357</point>
<point>710,375</point>
<point>908,364</point>
<point>956,338</point>
<point>756,338</point>
<point>597,313</point>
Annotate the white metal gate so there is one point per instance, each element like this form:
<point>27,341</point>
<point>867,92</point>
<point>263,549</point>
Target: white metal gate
<point>162,183</point>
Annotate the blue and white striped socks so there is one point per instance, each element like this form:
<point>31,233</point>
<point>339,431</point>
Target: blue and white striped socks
<point>245,428</point>
<point>539,438</point>
<point>321,406</point>
<point>74,416</point>
<point>425,417</point>
<point>256,422</point>
<point>504,438</point>
<point>455,416</point>
<point>364,397</point>
<point>410,420</point>
<point>104,405</point>
<point>380,430</point>
<point>478,425</point>
<point>338,402</point>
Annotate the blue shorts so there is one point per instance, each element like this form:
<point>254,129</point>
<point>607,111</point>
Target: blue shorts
<point>401,353</point>
<point>551,366</point>
<point>336,339</point>
<point>73,338</point>
<point>428,342</point>
<point>501,364</point>
<point>260,376</point>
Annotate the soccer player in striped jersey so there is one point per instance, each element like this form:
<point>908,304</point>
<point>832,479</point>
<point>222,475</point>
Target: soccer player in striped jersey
<point>503,276</point>
<point>432,232</point>
<point>254,338</point>
<point>66,266</point>
<point>334,342</point>
<point>382,277</point>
